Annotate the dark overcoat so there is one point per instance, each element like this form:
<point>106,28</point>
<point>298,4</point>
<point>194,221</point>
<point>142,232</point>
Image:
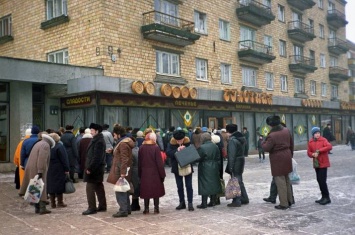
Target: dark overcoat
<point>208,169</point>
<point>151,170</point>
<point>235,152</point>
<point>69,141</point>
<point>95,161</point>
<point>279,144</point>
<point>58,165</point>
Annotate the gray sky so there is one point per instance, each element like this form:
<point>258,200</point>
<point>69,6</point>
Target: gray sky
<point>350,17</point>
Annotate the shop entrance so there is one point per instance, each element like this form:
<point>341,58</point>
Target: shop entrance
<point>219,122</point>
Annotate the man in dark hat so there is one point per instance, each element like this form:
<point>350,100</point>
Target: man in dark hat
<point>279,144</point>
<point>94,171</point>
<point>236,161</point>
<point>328,134</point>
<point>27,146</point>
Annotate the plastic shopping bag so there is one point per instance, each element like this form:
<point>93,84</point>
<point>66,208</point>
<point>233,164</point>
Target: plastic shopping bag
<point>233,188</point>
<point>34,190</point>
<point>122,185</point>
<point>294,176</point>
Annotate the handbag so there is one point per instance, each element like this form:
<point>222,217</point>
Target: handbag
<point>294,176</point>
<point>233,188</point>
<point>34,190</point>
<point>223,186</point>
<point>186,170</point>
<point>187,156</point>
<point>69,186</point>
<point>122,186</point>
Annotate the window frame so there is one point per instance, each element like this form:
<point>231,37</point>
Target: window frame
<point>200,65</point>
<point>299,85</point>
<point>53,11</point>
<point>282,48</point>
<point>198,20</point>
<point>160,65</point>
<point>281,13</point>
<point>320,4</point>
<point>223,67</point>
<point>321,31</point>
<point>8,29</point>
<point>55,54</point>
<point>283,83</point>
<point>224,30</point>
<point>334,91</point>
<point>249,76</point>
<point>269,80</point>
<point>322,61</point>
<point>313,87</point>
<point>324,88</point>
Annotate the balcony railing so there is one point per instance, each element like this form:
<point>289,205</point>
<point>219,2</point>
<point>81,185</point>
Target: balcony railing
<point>298,59</point>
<point>302,26</point>
<point>244,3</point>
<point>338,74</point>
<point>254,12</point>
<point>336,18</point>
<point>255,52</point>
<point>301,4</point>
<point>337,46</point>
<point>301,64</point>
<point>300,31</point>
<point>255,46</point>
<point>157,17</point>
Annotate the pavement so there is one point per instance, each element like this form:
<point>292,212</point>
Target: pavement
<point>258,217</point>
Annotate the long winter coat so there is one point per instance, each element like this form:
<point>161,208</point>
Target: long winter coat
<point>323,146</point>
<point>235,153</point>
<point>17,159</point>
<point>83,149</point>
<point>279,144</point>
<point>151,170</point>
<point>69,142</point>
<point>38,162</point>
<point>58,165</point>
<point>135,177</point>
<point>26,148</point>
<point>95,161</point>
<point>208,169</point>
<point>171,150</point>
<point>328,134</point>
<point>122,159</point>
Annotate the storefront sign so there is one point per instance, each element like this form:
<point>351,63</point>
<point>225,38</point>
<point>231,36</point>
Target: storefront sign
<point>185,103</point>
<point>77,100</point>
<point>242,106</point>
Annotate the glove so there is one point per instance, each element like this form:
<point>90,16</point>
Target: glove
<point>39,175</point>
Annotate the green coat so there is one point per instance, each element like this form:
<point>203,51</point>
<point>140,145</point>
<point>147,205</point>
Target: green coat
<point>208,169</point>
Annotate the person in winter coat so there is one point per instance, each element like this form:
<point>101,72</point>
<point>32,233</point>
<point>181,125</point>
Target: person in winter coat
<point>318,148</point>
<point>236,162</point>
<point>350,138</point>
<point>246,136</point>
<point>69,142</point>
<point>196,137</point>
<point>177,143</point>
<point>83,148</point>
<point>37,164</point>
<point>260,148</point>
<point>57,172</point>
<point>151,172</point>
<point>140,138</point>
<point>328,134</point>
<point>109,146</point>
<point>209,183</point>
<point>94,171</point>
<point>280,146</point>
<point>20,172</point>
<point>135,179</point>
<point>27,146</point>
<point>121,168</point>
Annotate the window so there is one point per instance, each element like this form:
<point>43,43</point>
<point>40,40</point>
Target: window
<point>333,61</point>
<point>312,56</point>
<point>334,94</point>
<point>170,11</point>
<point>322,61</point>
<point>281,13</point>
<point>324,89</point>
<point>283,82</point>
<point>56,8</point>
<point>321,31</point>
<point>320,4</point>
<point>313,87</point>
<point>201,69</point>
<point>247,37</point>
<point>267,3</point>
<point>282,48</point>
<point>299,85</point>
<point>226,77</point>
<point>200,22</point>
<point>268,40</point>
<point>224,30</point>
<point>5,26</point>
<point>331,6</point>
<point>59,57</point>
<point>167,63</point>
<point>249,76</point>
<point>311,25</point>
<point>269,77</point>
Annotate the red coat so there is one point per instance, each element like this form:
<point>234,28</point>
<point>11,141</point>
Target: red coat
<point>324,147</point>
<point>151,170</point>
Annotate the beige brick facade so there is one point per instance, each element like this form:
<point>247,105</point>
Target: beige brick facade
<point>96,25</point>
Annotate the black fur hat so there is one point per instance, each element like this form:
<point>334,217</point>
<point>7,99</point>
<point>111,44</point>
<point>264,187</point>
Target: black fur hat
<point>179,135</point>
<point>273,120</point>
<point>231,128</point>
<point>96,127</point>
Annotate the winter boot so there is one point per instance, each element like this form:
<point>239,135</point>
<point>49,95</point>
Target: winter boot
<point>212,201</point>
<point>181,206</point>
<point>156,205</point>
<point>42,208</point>
<point>190,207</point>
<point>319,200</point>
<point>52,198</point>
<point>146,206</point>
<point>135,205</point>
<point>36,205</point>
<point>60,201</point>
<point>218,201</point>
<point>325,201</point>
<point>204,203</point>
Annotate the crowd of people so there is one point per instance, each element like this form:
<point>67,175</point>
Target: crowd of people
<point>139,158</point>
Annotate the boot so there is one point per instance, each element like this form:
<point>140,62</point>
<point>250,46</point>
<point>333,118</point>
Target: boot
<point>135,205</point>
<point>212,201</point>
<point>60,200</point>
<point>181,206</point>
<point>52,198</point>
<point>190,207</point>
<point>319,200</point>
<point>156,205</point>
<point>146,206</point>
<point>42,208</point>
<point>204,203</point>
<point>218,201</point>
<point>36,205</point>
<point>325,201</point>
<point>235,203</point>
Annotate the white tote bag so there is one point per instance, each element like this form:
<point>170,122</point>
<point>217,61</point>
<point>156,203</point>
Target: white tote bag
<point>34,190</point>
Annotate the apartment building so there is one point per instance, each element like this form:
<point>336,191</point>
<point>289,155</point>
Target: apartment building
<point>175,62</point>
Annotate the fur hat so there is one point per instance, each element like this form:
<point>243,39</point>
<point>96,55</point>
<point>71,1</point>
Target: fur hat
<point>315,130</point>
<point>28,131</point>
<point>231,128</point>
<point>87,131</point>
<point>96,127</point>
<point>273,120</point>
<point>216,139</point>
<point>69,127</point>
<point>179,135</point>
<point>139,133</point>
<point>55,137</point>
<point>35,130</point>
<point>49,139</point>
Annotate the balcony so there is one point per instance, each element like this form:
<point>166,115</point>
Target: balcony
<point>255,52</point>
<point>337,46</point>
<point>336,19</point>
<point>301,64</point>
<point>301,4</point>
<point>5,39</point>
<point>169,29</point>
<point>300,32</point>
<point>253,12</point>
<point>351,63</point>
<point>337,74</point>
